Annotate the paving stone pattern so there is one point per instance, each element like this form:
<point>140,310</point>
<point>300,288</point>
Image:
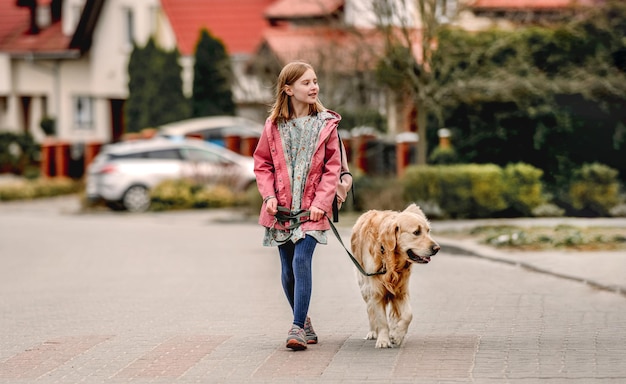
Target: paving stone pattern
<point>183,298</point>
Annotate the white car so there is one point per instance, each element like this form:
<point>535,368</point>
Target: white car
<point>123,173</point>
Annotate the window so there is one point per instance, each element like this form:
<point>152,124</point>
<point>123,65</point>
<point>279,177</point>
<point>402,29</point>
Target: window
<point>83,112</point>
<point>136,155</point>
<point>129,18</point>
<point>446,10</point>
<point>164,154</point>
<point>4,104</point>
<point>160,154</point>
<point>199,155</point>
<point>44,106</point>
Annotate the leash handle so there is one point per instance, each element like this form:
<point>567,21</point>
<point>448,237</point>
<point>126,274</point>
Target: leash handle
<point>284,215</point>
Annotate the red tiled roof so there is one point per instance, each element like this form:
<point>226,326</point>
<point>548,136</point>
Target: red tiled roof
<point>238,23</point>
<point>286,9</point>
<point>336,49</point>
<point>13,20</point>
<point>14,37</point>
<point>529,4</point>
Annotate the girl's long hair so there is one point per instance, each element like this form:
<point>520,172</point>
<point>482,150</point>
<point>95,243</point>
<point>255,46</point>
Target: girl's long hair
<point>282,109</point>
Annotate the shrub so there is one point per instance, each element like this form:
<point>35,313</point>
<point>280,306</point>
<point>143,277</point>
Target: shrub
<point>523,187</point>
<point>186,194</point>
<point>470,190</point>
<point>595,188</point>
<point>377,193</point>
<point>618,210</point>
<point>172,194</point>
<point>38,188</point>
<point>443,155</point>
<point>548,210</point>
<point>48,126</point>
<point>215,196</point>
<point>17,152</point>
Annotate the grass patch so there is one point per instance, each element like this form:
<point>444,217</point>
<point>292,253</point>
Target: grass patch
<point>547,238</point>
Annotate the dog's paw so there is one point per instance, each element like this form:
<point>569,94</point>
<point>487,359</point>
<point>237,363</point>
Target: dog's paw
<point>396,339</point>
<point>383,343</point>
<point>371,336</point>
<point>396,342</point>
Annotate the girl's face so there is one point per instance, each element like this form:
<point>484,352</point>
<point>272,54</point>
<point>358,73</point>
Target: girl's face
<point>305,89</point>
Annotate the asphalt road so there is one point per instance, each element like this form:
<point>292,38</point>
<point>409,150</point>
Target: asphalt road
<point>193,297</point>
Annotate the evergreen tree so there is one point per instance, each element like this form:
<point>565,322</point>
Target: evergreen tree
<point>154,87</point>
<point>212,78</point>
<point>150,91</point>
<point>170,103</point>
<point>138,78</point>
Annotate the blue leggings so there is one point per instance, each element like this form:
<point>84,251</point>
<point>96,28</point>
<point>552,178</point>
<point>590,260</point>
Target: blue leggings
<point>296,275</point>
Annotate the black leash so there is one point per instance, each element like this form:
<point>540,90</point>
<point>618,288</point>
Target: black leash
<point>285,214</point>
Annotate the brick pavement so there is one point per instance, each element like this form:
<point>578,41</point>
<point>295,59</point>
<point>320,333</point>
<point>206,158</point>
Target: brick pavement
<point>180,298</point>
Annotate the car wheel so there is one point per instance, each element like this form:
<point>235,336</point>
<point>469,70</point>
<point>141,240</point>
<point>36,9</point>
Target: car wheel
<point>136,199</point>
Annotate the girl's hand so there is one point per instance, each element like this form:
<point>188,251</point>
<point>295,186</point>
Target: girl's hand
<point>316,214</point>
<point>271,206</point>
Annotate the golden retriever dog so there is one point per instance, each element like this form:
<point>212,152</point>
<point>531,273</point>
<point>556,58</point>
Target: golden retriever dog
<point>391,241</point>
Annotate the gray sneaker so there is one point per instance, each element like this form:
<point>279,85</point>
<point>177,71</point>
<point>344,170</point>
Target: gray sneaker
<point>311,336</point>
<point>296,339</point>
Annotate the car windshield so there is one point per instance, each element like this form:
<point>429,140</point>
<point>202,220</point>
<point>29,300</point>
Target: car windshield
<point>196,154</point>
<point>167,154</point>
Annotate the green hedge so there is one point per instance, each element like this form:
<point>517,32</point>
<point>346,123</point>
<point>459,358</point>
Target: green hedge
<point>475,190</point>
<point>523,188</point>
<point>186,194</point>
<point>595,188</point>
<point>38,188</point>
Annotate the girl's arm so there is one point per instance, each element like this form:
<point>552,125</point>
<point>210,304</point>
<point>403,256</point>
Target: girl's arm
<point>264,165</point>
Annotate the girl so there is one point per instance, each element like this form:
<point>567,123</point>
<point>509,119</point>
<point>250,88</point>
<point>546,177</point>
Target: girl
<point>297,165</point>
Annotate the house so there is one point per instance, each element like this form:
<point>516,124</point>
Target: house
<point>67,59</point>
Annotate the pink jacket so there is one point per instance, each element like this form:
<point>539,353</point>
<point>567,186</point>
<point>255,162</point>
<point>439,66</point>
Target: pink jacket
<point>272,176</point>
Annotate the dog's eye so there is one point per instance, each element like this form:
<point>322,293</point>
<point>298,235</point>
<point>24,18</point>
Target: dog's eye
<point>418,232</point>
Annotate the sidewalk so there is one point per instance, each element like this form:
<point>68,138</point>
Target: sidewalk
<point>600,269</point>
<point>192,297</point>
<point>603,269</point>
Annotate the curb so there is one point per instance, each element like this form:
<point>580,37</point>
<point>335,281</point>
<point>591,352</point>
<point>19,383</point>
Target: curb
<point>457,250</point>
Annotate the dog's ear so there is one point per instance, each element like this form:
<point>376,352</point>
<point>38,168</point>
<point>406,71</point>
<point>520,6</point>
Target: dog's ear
<point>388,235</point>
<point>415,209</point>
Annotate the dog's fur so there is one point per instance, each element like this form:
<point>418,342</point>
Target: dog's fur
<point>393,241</point>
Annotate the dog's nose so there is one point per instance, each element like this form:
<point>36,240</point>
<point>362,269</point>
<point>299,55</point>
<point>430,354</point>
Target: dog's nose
<point>435,248</point>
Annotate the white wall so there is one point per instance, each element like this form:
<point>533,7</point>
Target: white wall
<point>5,74</point>
<point>363,14</point>
<point>111,49</point>
<point>71,15</point>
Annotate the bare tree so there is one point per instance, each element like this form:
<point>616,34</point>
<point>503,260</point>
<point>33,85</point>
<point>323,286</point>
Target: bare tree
<point>410,29</point>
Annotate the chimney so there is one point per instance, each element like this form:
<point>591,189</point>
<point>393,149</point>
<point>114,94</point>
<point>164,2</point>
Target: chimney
<point>32,7</point>
<point>44,16</point>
